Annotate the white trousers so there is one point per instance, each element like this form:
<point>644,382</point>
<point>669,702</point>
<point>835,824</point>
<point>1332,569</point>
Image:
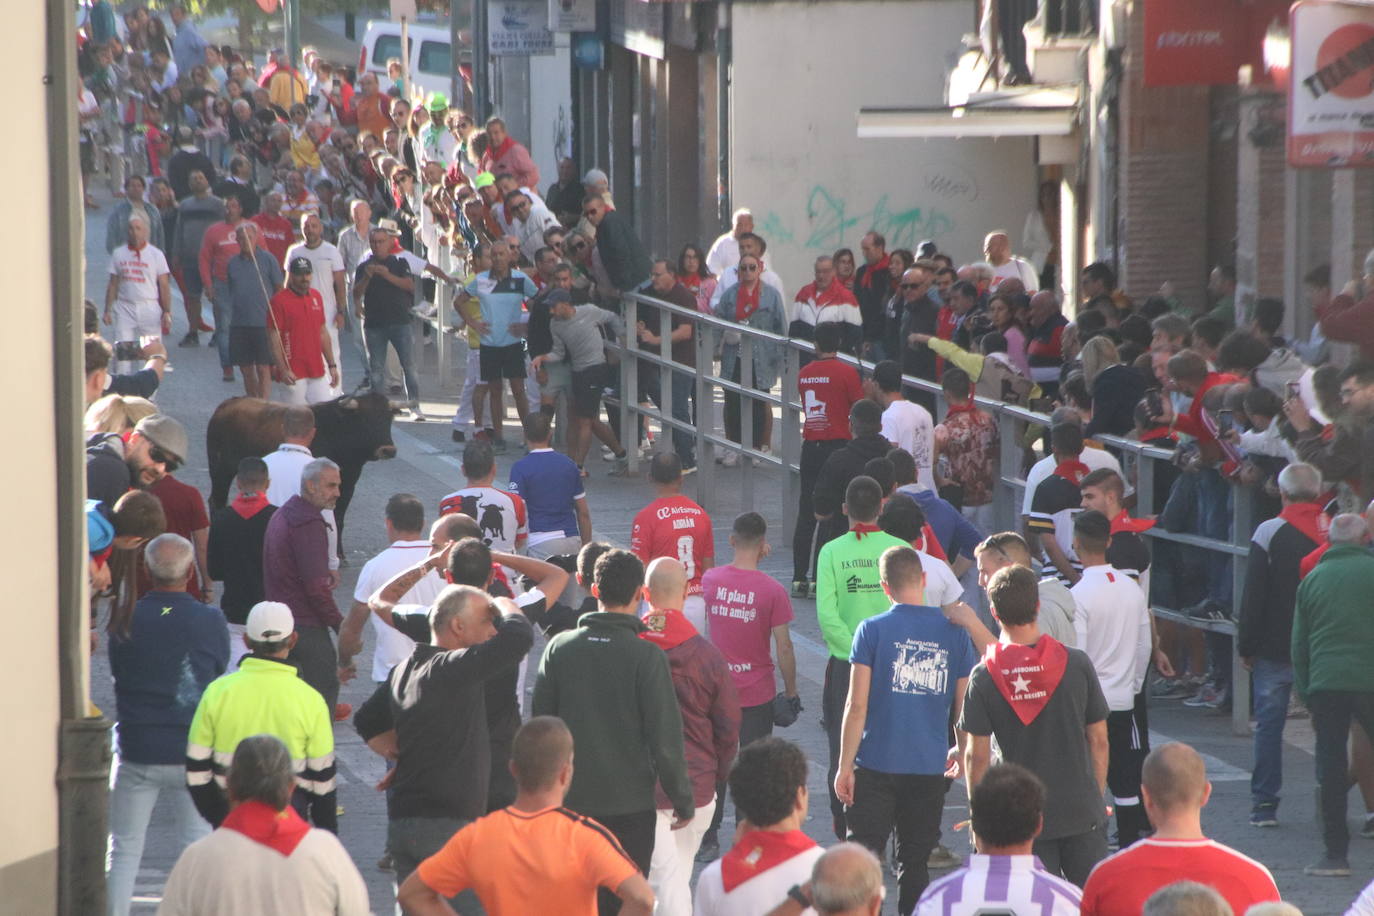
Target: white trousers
<point>305,391</point>
<point>670,870</point>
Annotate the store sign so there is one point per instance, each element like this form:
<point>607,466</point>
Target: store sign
<point>1188,43</point>
<point>1331,94</point>
<point>518,27</point>
<point>572,15</point>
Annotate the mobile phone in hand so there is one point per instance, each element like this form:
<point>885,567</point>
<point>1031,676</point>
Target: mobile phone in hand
<point>128,350</point>
<point>1226,422</point>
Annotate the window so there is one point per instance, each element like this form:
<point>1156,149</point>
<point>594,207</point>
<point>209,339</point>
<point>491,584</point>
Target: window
<point>387,47</point>
<point>436,57</point>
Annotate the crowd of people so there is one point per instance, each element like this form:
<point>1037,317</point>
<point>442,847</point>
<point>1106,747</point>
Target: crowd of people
<point>311,207</point>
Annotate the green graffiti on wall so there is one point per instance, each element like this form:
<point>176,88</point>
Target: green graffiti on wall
<point>832,223</point>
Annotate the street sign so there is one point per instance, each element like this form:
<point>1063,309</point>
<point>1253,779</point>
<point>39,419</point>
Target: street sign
<point>572,15</point>
<point>1331,91</point>
<point>519,27</point>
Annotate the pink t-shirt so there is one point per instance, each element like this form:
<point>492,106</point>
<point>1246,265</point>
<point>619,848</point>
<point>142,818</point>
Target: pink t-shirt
<point>742,608</point>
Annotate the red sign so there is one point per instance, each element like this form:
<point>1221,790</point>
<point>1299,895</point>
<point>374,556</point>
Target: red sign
<point>1331,97</point>
<point>1195,43</point>
<point>268,6</point>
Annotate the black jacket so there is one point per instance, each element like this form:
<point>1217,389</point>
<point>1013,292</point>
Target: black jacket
<point>1116,391</point>
<point>1271,590</point>
<point>234,557</point>
<point>842,466</point>
<point>873,299</point>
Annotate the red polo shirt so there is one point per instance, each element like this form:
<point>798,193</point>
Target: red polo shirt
<point>300,320</point>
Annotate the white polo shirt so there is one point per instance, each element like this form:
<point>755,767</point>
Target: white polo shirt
<point>394,647</point>
<point>1112,625</point>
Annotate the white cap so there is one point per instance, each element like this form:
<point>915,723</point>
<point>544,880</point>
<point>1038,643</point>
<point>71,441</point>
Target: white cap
<point>595,176</point>
<point>270,621</point>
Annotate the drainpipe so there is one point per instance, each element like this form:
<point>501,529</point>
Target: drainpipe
<point>84,741</point>
<point>724,67</point>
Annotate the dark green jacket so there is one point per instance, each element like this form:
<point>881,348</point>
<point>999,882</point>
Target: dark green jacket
<point>616,695</point>
<point>1333,624</point>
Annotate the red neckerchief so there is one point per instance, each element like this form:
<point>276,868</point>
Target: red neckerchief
<point>667,628</point>
<point>1309,519</point>
<point>1123,523</point>
<point>1072,470</point>
<point>278,830</point>
<point>501,150</point>
<point>931,544</point>
<point>944,323</point>
<point>970,407</point>
<point>758,851</point>
<point>1026,676</point>
<point>248,505</point>
<point>862,528</point>
<point>747,302</point>
<point>691,281</point>
<point>867,281</point>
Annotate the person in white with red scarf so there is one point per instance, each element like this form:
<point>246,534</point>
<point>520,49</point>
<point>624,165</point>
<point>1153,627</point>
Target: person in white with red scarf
<point>138,298</point>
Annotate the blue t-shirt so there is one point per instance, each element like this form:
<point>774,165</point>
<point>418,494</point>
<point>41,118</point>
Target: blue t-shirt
<point>549,482</point>
<point>175,647</point>
<point>500,301</point>
<point>917,657</point>
<point>956,534</point>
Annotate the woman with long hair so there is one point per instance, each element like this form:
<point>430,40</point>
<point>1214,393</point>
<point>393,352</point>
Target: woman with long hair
<point>138,518</point>
<point>410,143</point>
<point>693,274</point>
<point>1003,313</point>
<point>1115,388</point>
<point>844,267</point>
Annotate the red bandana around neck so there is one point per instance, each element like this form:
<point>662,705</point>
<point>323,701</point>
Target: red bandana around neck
<point>1072,470</point>
<point>747,301</point>
<point>967,407</point>
<point>881,264</point>
<point>501,150</point>
<point>278,830</point>
<point>1124,523</point>
<point>862,528</point>
<point>691,281</point>
<point>667,628</point>
<point>248,505</point>
<point>1027,676</point>
<point>1309,519</point>
<point>758,851</point>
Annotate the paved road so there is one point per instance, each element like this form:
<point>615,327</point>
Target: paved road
<point>426,465</point>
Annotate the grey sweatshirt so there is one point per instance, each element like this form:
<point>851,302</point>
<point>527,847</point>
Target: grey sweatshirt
<point>578,340</point>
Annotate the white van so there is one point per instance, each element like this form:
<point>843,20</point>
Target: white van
<point>431,55</point>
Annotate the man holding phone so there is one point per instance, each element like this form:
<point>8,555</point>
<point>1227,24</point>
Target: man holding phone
<point>138,298</point>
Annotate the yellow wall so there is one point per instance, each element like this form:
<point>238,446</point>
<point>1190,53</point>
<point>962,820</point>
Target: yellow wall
<point>28,537</point>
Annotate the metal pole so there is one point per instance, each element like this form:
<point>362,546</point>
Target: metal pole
<point>405,57</point>
<point>481,64</point>
<point>455,79</point>
<point>291,10</point>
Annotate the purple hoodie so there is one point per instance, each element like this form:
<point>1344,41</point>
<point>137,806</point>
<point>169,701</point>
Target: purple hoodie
<point>295,564</point>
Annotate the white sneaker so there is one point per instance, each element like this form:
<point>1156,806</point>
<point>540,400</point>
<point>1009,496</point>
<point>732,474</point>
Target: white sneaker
<point>607,454</point>
<point>416,413</point>
<point>731,460</point>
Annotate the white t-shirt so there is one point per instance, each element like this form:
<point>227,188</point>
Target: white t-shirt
<point>138,272</point>
<point>1112,625</point>
<point>1094,458</point>
<point>318,878</point>
<point>909,426</point>
<point>759,894</point>
<point>724,253</point>
<point>284,468</point>
<point>324,260</point>
<point>1016,269</point>
<point>393,646</point>
<point>942,586</point>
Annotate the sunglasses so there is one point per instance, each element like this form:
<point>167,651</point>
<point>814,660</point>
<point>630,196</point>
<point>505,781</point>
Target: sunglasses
<point>168,461</point>
<point>911,286</point>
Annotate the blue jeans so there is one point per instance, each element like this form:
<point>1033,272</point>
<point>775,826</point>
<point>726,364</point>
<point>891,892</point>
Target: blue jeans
<point>402,338</point>
<point>1273,684</point>
<point>1214,521</point>
<point>684,443</point>
<point>411,840</point>
<point>134,791</point>
<point>223,315</point>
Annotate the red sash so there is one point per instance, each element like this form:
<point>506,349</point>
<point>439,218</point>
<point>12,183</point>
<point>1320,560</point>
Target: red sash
<point>1124,523</point>
<point>1027,676</point>
<point>862,528</point>
<point>1309,519</point>
<point>867,281</point>
<point>279,830</point>
<point>758,851</point>
<point>1072,470</point>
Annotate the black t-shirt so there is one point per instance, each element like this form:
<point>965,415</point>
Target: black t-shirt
<point>538,336</point>
<point>1129,553</point>
<point>1054,746</point>
<point>385,304</point>
<point>142,384</point>
<point>435,701</point>
<point>1056,501</point>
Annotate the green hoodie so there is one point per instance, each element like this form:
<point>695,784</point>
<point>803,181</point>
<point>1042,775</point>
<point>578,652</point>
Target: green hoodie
<point>615,693</point>
<point>1333,629</point>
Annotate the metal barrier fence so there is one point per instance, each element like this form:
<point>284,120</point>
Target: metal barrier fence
<point>1010,483</point>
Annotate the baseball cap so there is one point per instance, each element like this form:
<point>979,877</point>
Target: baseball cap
<point>301,266</point>
<point>484,180</point>
<point>269,621</point>
<point>166,433</point>
<point>556,296</point>
<point>437,101</point>
<point>389,226</point>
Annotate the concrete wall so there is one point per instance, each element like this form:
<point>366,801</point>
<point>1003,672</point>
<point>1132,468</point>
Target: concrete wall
<point>28,546</point>
<point>812,184</point>
<point>550,136</point>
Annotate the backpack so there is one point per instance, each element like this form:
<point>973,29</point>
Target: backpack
<point>1001,381</point>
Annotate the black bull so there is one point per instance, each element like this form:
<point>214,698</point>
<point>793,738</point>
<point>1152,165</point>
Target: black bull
<point>350,431</point>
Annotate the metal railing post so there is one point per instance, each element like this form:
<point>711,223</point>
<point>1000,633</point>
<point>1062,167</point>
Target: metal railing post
<point>1009,462</point>
<point>1242,526</point>
<point>443,296</point>
<point>790,444</point>
<point>704,337</point>
<point>747,406</point>
<point>629,387</point>
<point>665,378</point>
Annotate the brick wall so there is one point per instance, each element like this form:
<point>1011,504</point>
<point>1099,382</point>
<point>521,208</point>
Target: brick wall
<point>1163,179</point>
